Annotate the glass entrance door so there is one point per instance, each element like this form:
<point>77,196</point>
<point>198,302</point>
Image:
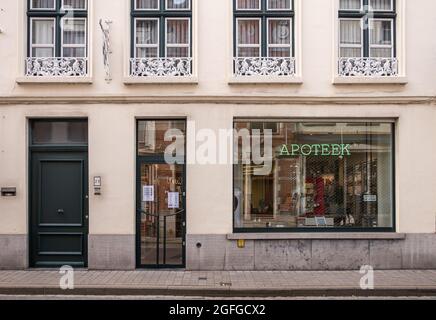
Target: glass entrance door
<point>162,215</point>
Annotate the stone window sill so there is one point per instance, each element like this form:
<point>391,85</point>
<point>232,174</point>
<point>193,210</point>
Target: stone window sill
<point>317,236</point>
<point>160,80</point>
<point>266,80</point>
<point>370,80</point>
<point>60,80</point>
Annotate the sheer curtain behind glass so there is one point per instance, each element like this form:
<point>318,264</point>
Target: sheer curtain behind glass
<point>383,5</point>
<point>279,37</point>
<point>177,38</point>
<point>74,38</point>
<point>43,4</point>
<point>279,4</point>
<point>42,38</point>
<point>350,38</point>
<point>248,38</point>
<point>350,4</point>
<point>75,4</point>
<point>147,38</point>
<point>147,4</point>
<point>381,38</point>
<point>248,4</point>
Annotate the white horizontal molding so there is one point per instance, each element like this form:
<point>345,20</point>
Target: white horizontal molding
<point>216,99</point>
<point>54,80</point>
<point>160,80</point>
<point>402,80</point>
<point>265,80</point>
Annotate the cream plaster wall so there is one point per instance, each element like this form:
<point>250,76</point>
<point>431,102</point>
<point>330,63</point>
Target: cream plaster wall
<point>316,32</point>
<point>209,187</point>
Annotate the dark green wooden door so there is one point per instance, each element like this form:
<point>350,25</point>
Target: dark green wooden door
<point>59,209</point>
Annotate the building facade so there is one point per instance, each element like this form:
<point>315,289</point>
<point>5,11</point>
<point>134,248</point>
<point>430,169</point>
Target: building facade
<point>217,135</point>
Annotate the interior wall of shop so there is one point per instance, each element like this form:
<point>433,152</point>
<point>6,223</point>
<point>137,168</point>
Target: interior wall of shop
<point>209,187</point>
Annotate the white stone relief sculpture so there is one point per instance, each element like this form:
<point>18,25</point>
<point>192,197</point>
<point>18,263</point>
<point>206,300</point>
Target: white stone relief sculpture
<point>264,66</point>
<point>56,67</point>
<point>160,67</point>
<point>105,28</point>
<point>368,67</point>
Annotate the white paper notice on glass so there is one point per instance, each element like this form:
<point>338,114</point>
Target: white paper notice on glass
<point>173,200</point>
<point>148,193</point>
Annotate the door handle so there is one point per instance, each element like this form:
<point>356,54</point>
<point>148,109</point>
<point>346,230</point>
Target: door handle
<point>60,211</point>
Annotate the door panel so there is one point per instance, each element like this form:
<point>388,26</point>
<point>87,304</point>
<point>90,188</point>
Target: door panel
<point>162,214</point>
<point>59,209</point>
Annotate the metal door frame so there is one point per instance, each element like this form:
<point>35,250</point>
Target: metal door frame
<point>157,159</point>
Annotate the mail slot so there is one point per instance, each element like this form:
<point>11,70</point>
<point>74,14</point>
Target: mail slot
<point>8,192</point>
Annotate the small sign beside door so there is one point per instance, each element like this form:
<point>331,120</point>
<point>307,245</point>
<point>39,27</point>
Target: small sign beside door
<point>148,193</point>
<point>173,200</point>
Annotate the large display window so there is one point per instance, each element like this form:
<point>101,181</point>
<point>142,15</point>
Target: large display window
<point>323,175</point>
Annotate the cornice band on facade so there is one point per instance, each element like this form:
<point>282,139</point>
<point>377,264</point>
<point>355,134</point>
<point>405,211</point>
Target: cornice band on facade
<point>274,100</point>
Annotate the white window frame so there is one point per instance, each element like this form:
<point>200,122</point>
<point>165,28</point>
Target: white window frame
<point>145,45</point>
<point>32,8</point>
<point>360,9</point>
<point>85,45</point>
<point>238,45</point>
<point>244,9</point>
<point>182,9</point>
<point>178,45</point>
<point>146,9</point>
<point>361,46</point>
<point>284,9</point>
<point>391,9</point>
<point>272,45</point>
<point>381,46</point>
<point>32,45</point>
<point>74,9</point>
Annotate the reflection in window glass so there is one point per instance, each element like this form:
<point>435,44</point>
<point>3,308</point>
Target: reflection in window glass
<point>151,136</point>
<point>43,4</point>
<point>322,175</point>
<point>177,4</point>
<point>74,4</point>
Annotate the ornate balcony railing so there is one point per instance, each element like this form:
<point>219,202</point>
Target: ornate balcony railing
<point>161,67</point>
<point>368,67</point>
<point>264,66</point>
<point>56,67</point>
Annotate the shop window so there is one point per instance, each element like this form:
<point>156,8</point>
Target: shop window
<point>367,38</point>
<point>263,38</point>
<point>161,40</point>
<point>57,39</point>
<point>322,176</point>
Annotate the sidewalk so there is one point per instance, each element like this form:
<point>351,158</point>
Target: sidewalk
<point>220,283</point>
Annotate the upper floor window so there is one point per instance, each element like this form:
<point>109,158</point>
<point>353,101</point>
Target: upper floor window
<point>57,39</point>
<point>263,38</point>
<point>367,38</point>
<point>161,41</point>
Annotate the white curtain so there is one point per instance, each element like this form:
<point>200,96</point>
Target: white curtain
<point>177,38</point>
<point>350,38</point>
<point>381,38</point>
<point>248,4</point>
<point>279,4</point>
<point>147,38</point>
<point>177,4</point>
<point>74,37</point>
<point>381,4</point>
<point>350,4</point>
<point>279,38</point>
<point>147,4</point>
<point>43,38</point>
<point>75,4</point>
<point>248,38</point>
<point>42,4</point>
